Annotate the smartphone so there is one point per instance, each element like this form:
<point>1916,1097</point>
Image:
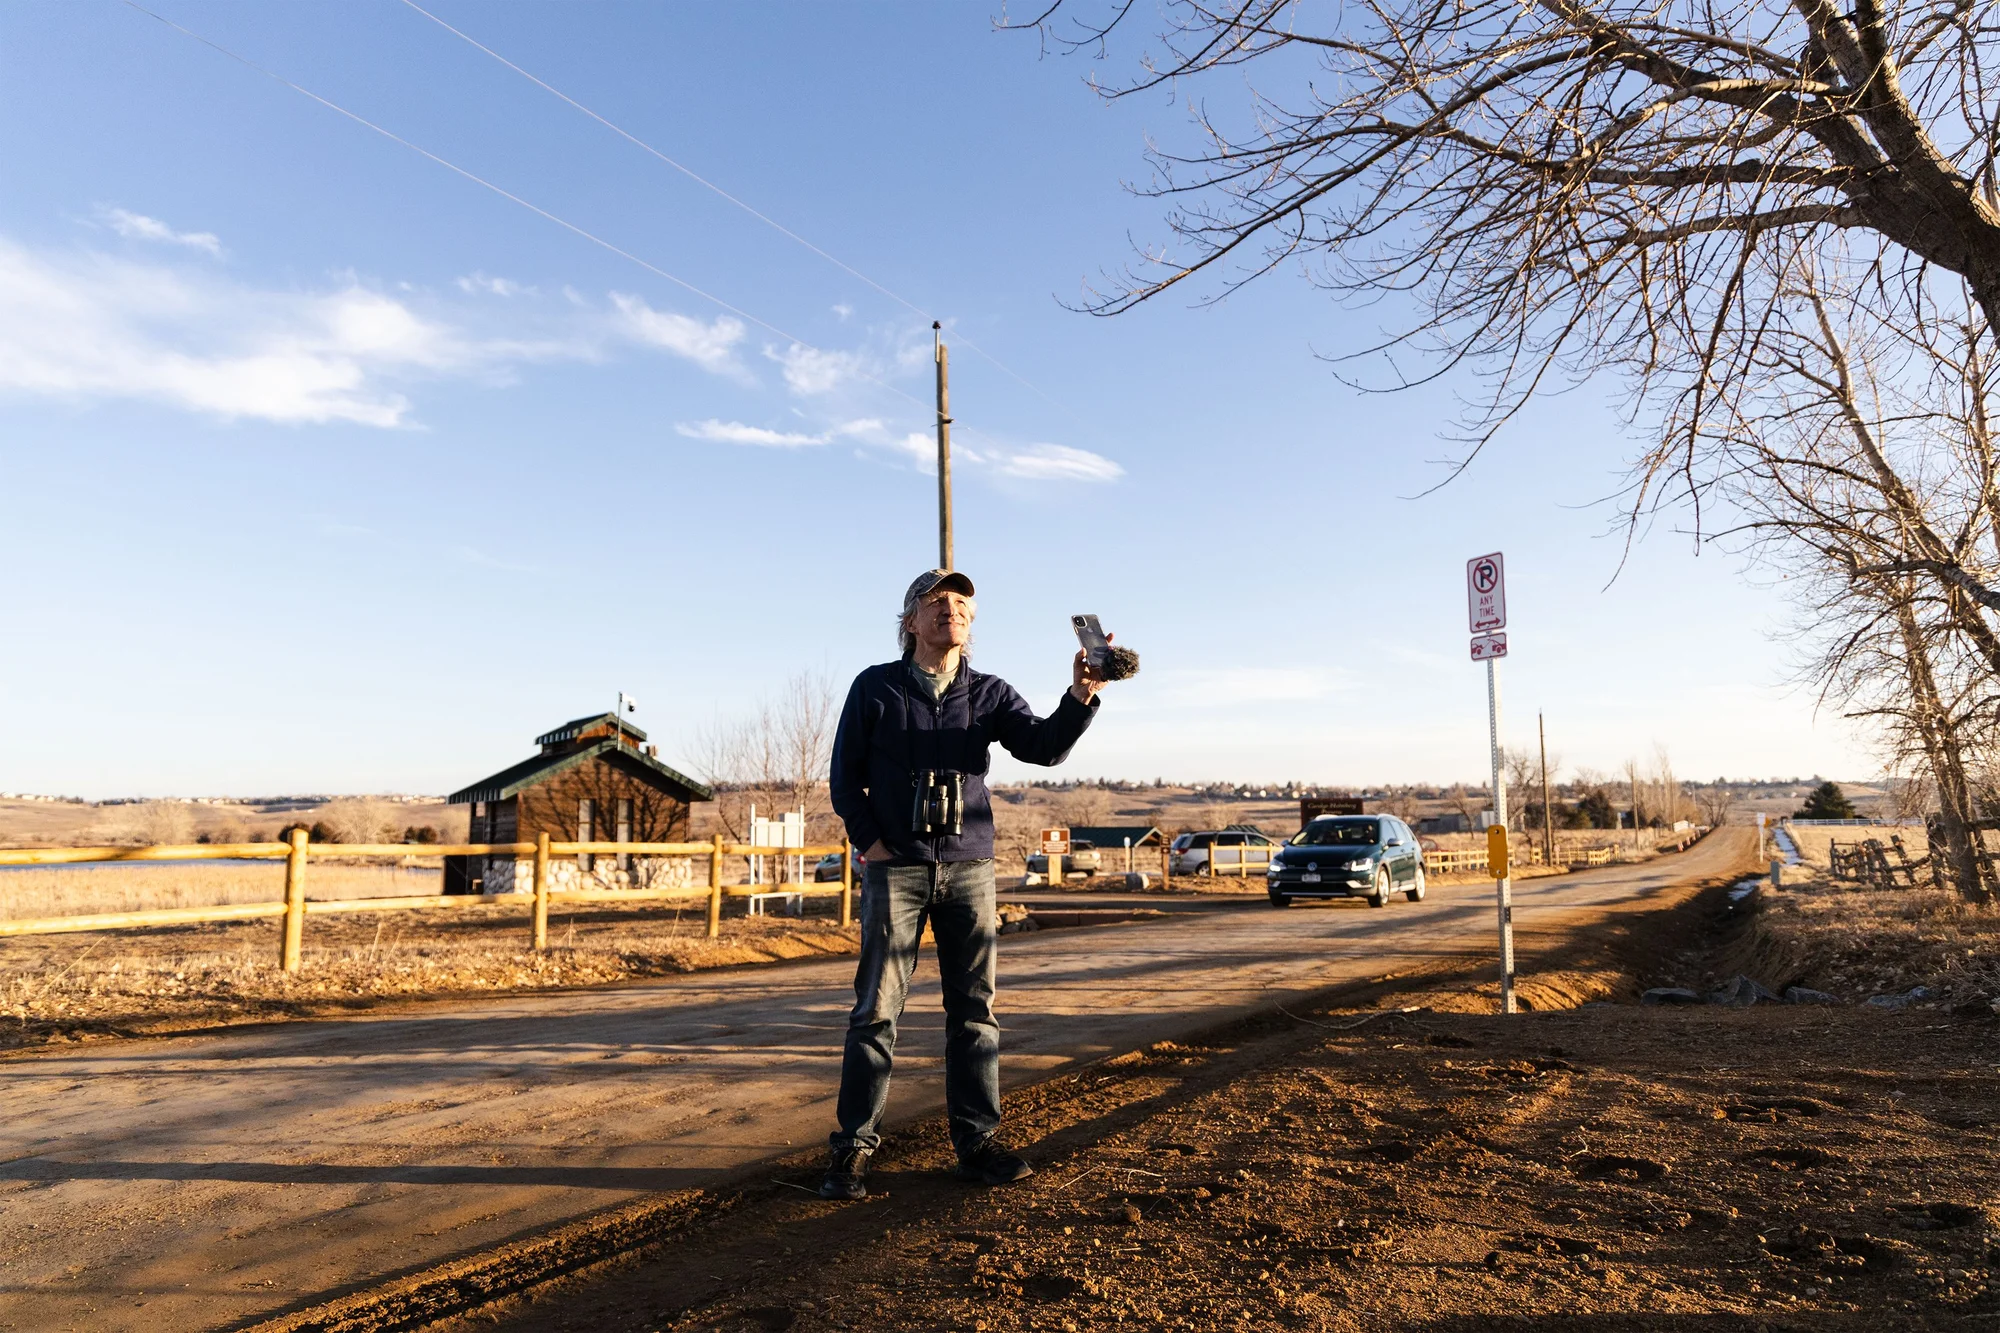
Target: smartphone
<point>1089,633</point>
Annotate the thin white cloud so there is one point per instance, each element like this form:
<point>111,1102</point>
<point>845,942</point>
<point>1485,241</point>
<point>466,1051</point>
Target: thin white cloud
<point>711,346</point>
<point>736,432</point>
<point>1056,462</point>
<point>139,227</point>
<point>87,326</point>
<point>844,312</point>
<point>480,284</point>
<point>810,371</point>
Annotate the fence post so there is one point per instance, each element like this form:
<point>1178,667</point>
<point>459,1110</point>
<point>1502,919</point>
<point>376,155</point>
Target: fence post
<point>715,890</point>
<point>846,882</point>
<point>295,903</point>
<point>541,926</point>
<point>1166,864</point>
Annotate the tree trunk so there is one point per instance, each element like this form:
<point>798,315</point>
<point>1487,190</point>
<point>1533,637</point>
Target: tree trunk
<point>1963,866</point>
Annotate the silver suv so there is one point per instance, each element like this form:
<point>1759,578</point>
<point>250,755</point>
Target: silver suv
<point>1083,859</point>
<point>1235,852</point>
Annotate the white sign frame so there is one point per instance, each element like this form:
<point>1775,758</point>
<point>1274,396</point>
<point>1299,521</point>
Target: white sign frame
<point>1486,608</point>
<point>1489,647</point>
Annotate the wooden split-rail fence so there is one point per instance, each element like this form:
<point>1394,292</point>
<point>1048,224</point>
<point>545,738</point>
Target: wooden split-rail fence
<point>1876,864</point>
<point>299,853</point>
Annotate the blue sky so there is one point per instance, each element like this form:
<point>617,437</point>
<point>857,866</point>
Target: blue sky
<point>330,469</point>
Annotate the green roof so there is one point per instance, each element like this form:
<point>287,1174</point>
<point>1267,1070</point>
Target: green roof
<point>570,730</point>
<point>509,781</point>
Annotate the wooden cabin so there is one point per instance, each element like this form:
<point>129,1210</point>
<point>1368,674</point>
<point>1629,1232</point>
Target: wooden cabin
<point>595,780</point>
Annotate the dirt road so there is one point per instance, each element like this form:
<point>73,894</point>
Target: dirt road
<point>202,1181</point>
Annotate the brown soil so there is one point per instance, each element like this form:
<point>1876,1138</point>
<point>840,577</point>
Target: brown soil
<point>1380,1163</point>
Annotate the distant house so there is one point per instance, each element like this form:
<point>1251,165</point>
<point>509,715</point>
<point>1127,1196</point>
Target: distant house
<point>1112,838</point>
<point>595,780</point>
<point>1447,823</point>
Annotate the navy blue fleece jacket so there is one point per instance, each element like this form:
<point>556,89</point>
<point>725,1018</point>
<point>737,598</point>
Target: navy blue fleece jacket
<point>891,729</point>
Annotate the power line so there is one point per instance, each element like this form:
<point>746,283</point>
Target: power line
<point>764,218</point>
<point>510,196</point>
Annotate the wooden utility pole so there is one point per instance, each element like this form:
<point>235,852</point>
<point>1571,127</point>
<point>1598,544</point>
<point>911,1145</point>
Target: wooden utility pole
<point>1548,814</point>
<point>943,355</point>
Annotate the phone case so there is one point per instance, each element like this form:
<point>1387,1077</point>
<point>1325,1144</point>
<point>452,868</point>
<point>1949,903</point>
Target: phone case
<point>1090,634</point>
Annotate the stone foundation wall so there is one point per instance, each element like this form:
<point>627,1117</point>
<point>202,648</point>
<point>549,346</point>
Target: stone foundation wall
<point>517,874</point>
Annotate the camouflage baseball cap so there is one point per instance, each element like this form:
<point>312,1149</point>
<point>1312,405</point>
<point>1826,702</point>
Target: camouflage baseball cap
<point>930,581</point>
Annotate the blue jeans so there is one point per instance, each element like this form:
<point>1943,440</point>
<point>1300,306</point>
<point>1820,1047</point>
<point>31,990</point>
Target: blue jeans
<point>956,897</point>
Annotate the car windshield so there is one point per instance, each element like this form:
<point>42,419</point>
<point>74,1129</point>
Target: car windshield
<point>1339,833</point>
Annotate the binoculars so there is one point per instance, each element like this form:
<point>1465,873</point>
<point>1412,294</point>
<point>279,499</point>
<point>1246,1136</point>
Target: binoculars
<point>940,804</point>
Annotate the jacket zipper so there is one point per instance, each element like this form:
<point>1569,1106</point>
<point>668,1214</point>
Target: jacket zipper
<point>937,725</point>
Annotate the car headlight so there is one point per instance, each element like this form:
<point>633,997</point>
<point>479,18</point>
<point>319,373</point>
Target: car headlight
<point>1362,863</point>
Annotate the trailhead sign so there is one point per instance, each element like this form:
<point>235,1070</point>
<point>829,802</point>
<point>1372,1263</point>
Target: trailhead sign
<point>1486,593</point>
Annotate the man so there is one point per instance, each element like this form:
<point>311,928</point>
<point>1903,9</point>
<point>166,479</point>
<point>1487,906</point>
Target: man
<point>909,781</point>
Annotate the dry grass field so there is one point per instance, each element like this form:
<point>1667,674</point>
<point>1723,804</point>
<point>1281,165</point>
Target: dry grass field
<point>76,987</point>
<point>1854,942</point>
<point>57,824</point>
<point>38,891</point>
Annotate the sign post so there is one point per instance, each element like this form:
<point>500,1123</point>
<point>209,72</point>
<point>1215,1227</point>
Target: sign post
<point>1055,846</point>
<point>1486,614</point>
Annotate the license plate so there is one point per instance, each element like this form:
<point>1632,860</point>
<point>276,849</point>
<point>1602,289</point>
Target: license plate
<point>1308,878</point>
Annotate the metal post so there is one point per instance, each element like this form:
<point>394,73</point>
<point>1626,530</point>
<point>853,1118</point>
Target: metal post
<point>944,447</point>
<point>715,890</point>
<point>1503,888</point>
<point>541,926</point>
<point>1548,811</point>
<point>295,903</point>
<point>846,883</point>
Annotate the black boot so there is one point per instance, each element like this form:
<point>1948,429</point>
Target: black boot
<point>988,1163</point>
<point>846,1175</point>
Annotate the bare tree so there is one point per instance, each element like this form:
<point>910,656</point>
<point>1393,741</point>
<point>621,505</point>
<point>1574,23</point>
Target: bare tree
<point>1569,185</point>
<point>1715,804</point>
<point>777,759</point>
<point>1461,801</point>
<point>1869,472</point>
<point>163,823</point>
<point>1778,220</point>
<point>362,819</point>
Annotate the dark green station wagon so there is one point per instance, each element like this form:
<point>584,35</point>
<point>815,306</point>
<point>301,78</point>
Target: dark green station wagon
<point>1348,856</point>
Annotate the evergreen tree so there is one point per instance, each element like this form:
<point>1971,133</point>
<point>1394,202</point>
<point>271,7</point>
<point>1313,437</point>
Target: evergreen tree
<point>1597,811</point>
<point>1826,801</point>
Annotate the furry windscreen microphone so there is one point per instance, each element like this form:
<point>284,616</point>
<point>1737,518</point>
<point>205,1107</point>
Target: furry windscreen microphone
<point>1106,659</point>
<point>1120,663</point>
